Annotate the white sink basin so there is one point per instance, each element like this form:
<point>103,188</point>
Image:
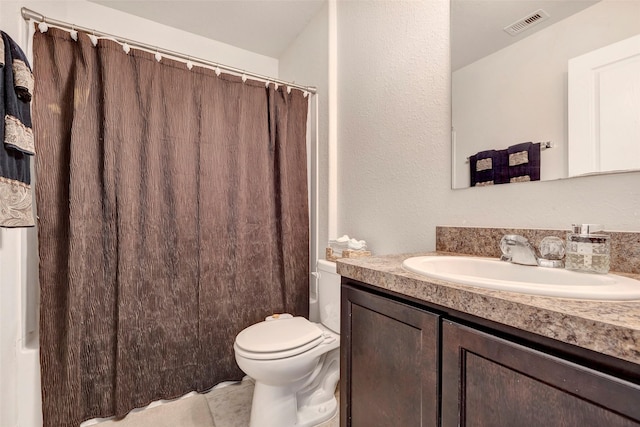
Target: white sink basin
<point>491,273</point>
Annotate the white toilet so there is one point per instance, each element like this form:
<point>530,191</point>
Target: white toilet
<point>295,363</point>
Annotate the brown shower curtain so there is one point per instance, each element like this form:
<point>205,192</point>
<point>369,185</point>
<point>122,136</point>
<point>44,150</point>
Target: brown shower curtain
<point>172,212</point>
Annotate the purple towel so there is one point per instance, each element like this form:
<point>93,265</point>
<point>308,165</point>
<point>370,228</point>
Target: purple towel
<point>524,162</point>
<point>489,167</point>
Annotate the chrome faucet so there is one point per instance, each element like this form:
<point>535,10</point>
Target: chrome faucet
<point>518,250</point>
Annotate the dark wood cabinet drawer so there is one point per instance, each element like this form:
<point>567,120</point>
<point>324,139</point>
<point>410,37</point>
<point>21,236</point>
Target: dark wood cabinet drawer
<point>489,381</point>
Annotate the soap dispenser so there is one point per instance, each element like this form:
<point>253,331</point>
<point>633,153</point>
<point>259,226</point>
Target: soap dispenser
<point>587,249</point>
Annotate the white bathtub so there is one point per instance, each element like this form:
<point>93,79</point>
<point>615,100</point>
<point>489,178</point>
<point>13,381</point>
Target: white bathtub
<point>20,401</point>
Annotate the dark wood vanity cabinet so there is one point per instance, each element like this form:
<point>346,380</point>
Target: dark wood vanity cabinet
<point>403,365</point>
<point>390,354</point>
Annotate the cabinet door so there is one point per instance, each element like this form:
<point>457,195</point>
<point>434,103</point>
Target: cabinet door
<point>389,363</point>
<point>488,381</point>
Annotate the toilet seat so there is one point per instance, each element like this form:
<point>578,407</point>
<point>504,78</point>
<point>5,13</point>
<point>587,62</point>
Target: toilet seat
<point>278,339</point>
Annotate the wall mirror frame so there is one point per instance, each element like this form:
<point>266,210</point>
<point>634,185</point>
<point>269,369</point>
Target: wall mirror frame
<point>512,89</point>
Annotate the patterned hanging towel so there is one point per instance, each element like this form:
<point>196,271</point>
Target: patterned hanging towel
<point>524,162</point>
<point>489,167</point>
<point>17,146</point>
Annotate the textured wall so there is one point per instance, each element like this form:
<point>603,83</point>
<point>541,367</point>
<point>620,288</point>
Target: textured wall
<point>393,121</point>
<point>394,142</point>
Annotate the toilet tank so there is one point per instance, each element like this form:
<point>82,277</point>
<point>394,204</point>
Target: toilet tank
<point>329,295</point>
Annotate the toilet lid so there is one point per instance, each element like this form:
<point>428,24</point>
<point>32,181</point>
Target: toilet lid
<point>278,335</point>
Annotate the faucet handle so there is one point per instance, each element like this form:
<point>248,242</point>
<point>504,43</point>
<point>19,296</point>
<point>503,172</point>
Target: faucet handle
<point>551,251</point>
<point>552,247</point>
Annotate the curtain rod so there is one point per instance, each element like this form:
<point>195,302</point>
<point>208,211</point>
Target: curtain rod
<point>28,14</point>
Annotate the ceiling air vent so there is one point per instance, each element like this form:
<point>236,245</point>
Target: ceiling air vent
<point>527,22</point>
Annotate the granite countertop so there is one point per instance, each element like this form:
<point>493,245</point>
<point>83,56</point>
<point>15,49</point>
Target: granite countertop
<point>608,327</point>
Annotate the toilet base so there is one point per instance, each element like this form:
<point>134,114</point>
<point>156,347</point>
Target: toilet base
<point>282,409</point>
<point>306,403</point>
<point>311,416</point>
<point>273,406</point>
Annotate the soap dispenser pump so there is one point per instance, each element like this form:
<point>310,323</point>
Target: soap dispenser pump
<point>587,249</point>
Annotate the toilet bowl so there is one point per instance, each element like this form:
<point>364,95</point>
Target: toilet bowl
<point>295,363</point>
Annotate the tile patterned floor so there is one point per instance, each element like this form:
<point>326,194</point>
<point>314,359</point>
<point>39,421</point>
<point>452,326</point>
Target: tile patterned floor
<point>231,406</point>
<point>228,406</point>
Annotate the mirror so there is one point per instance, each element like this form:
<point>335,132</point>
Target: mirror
<point>507,89</point>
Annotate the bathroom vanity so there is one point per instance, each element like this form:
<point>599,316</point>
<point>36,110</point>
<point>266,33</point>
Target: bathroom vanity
<point>425,352</point>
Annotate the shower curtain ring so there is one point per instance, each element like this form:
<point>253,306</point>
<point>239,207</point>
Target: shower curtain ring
<point>189,63</point>
<point>73,33</point>
<point>93,38</point>
<point>158,56</point>
<point>42,26</point>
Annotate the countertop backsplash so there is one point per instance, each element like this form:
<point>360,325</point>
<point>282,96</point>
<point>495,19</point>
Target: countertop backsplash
<point>481,241</point>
